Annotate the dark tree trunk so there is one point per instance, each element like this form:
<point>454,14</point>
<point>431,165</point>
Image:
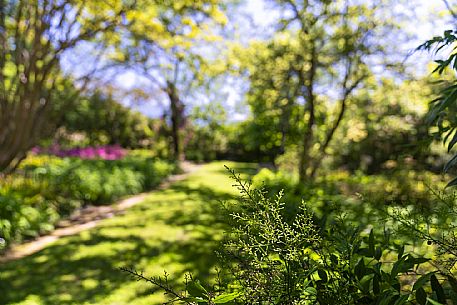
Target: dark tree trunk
<point>308,135</point>
<point>177,120</point>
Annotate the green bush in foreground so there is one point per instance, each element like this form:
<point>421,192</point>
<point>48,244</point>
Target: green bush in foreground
<point>48,188</point>
<point>270,260</point>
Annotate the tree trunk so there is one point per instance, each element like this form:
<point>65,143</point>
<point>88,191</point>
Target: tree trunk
<point>347,90</point>
<point>177,120</point>
<point>329,137</point>
<point>308,135</point>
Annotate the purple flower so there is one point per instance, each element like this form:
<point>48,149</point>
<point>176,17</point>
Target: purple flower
<point>109,152</point>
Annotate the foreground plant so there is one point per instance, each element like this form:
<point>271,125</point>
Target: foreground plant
<point>268,260</point>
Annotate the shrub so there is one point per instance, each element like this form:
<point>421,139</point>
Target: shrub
<point>24,211</point>
<point>47,188</point>
<point>362,197</point>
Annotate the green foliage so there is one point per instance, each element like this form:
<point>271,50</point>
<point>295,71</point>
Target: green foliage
<point>100,120</point>
<point>206,136</point>
<point>386,128</point>
<point>443,109</point>
<point>24,210</point>
<point>302,80</point>
<point>271,260</point>
<point>436,226</point>
<point>362,198</point>
<point>49,188</point>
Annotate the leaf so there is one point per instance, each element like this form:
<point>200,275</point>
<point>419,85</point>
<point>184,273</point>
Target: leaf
<point>386,299</point>
<point>401,300</point>
<point>421,296</point>
<point>450,163</point>
<point>452,282</point>
<point>451,98</point>
<point>195,289</point>
<point>451,183</point>
<point>376,286</point>
<point>226,297</point>
<point>399,267</point>
<point>311,290</point>
<point>378,253</point>
<point>193,300</point>
<point>422,280</point>
<point>323,275</point>
<point>364,284</point>
<point>371,242</point>
<point>359,269</point>
<point>400,252</point>
<point>452,142</point>
<point>438,289</point>
<point>416,260</point>
<point>433,302</point>
<point>364,252</point>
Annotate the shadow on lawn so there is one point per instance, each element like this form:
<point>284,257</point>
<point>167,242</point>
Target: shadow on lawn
<point>84,268</point>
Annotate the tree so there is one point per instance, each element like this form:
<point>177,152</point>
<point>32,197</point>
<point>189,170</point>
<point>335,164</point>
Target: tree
<point>161,45</point>
<point>33,37</point>
<point>386,128</point>
<point>321,54</point>
<point>102,121</point>
<point>207,132</point>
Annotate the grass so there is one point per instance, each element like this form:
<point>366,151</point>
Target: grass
<point>176,230</point>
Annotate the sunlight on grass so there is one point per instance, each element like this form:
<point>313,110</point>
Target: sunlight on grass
<point>176,230</point>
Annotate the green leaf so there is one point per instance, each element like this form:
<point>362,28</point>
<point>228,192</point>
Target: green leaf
<point>422,280</point>
<point>364,284</point>
<point>226,297</point>
<point>376,286</point>
<point>371,242</point>
<point>416,260</point>
<point>438,289</point>
<point>400,252</point>
<point>401,300</point>
<point>323,275</point>
<point>311,290</point>
<point>421,296</point>
<point>378,253</point>
<point>452,183</point>
<point>451,98</point>
<point>386,299</point>
<point>452,282</point>
<point>399,267</point>
<point>452,142</point>
<point>450,163</point>
<point>359,269</point>
<point>195,289</point>
<point>433,302</point>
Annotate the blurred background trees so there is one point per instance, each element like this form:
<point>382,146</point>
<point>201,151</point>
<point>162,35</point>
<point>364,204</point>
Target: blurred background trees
<point>33,38</point>
<point>327,86</point>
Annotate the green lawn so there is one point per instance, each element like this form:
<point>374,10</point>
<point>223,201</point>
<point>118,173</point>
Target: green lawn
<point>176,230</point>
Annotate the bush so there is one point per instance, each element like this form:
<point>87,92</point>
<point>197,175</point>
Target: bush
<point>47,188</point>
<point>24,211</point>
<point>362,197</point>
